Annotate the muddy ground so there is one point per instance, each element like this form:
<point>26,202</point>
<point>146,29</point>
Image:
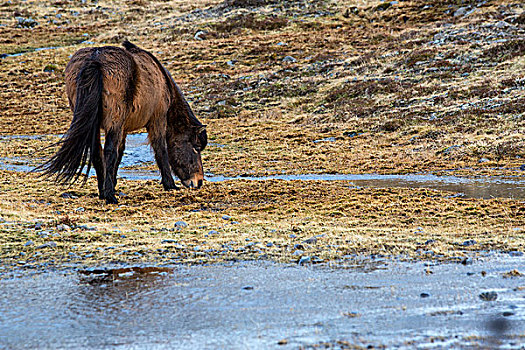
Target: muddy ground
<point>292,87</point>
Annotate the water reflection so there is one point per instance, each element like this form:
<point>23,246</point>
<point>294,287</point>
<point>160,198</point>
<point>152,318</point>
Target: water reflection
<point>210,306</point>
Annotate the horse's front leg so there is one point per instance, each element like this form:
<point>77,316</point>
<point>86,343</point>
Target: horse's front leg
<point>121,150</point>
<point>160,148</point>
<point>111,146</point>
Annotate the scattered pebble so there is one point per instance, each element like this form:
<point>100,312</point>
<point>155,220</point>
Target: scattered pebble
<point>226,217</point>
<point>304,260</point>
<point>200,35</point>
<point>247,287</point>
<point>469,243</point>
<point>424,295</point>
<point>467,261</point>
<point>47,245</point>
<point>289,59</point>
<point>488,296</point>
<point>181,224</point>
<point>29,243</point>
<point>63,227</point>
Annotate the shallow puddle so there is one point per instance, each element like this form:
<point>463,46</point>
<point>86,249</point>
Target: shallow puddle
<point>138,152</point>
<point>256,305</point>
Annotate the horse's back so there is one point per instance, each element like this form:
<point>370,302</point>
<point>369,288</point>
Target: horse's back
<point>134,88</point>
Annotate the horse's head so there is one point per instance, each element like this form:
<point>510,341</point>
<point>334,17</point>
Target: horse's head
<point>185,145</point>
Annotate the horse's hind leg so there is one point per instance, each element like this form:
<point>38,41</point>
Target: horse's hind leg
<point>160,148</point>
<point>111,146</point>
<point>98,164</point>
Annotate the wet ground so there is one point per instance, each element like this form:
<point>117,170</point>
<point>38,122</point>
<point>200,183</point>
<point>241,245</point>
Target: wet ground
<point>362,302</point>
<point>138,164</point>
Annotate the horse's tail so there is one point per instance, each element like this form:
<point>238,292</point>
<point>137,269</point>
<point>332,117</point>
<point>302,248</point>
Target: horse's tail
<point>83,136</point>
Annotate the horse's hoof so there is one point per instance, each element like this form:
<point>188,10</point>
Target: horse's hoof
<point>111,199</point>
<point>170,187</point>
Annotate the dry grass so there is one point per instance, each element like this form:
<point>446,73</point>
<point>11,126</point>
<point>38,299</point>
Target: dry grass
<point>404,88</point>
<point>277,220</point>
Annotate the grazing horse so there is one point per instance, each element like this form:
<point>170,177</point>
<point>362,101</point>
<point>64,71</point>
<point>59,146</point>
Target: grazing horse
<point>120,90</point>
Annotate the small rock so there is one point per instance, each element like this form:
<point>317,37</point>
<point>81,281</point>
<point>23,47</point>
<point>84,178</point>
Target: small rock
<point>289,59</point>
<point>247,287</point>
<point>269,244</point>
<point>488,296</point>
<point>226,217</point>
<point>63,227</point>
<point>282,342</point>
<point>213,232</point>
<point>47,245</point>
<point>424,295</point>
<point>304,260</point>
<point>522,167</point>
<point>311,240</point>
<point>80,209</point>
<point>503,24</point>
<point>298,252</point>
<point>181,224</point>
<point>165,241</point>
<point>26,22</point>
<point>200,35</point>
<point>29,243</point>
<point>460,11</point>
<point>508,313</point>
<point>483,160</point>
<point>38,226</point>
<point>469,243</point>
<point>467,261</point>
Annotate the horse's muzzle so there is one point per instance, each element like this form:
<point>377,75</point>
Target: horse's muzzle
<point>195,182</point>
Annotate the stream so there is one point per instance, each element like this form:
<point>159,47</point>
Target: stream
<point>138,152</point>
<point>260,304</point>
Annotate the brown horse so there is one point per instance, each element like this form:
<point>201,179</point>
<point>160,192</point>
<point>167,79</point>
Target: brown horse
<point>120,90</point>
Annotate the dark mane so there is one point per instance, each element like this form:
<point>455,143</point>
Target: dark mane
<point>176,94</point>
